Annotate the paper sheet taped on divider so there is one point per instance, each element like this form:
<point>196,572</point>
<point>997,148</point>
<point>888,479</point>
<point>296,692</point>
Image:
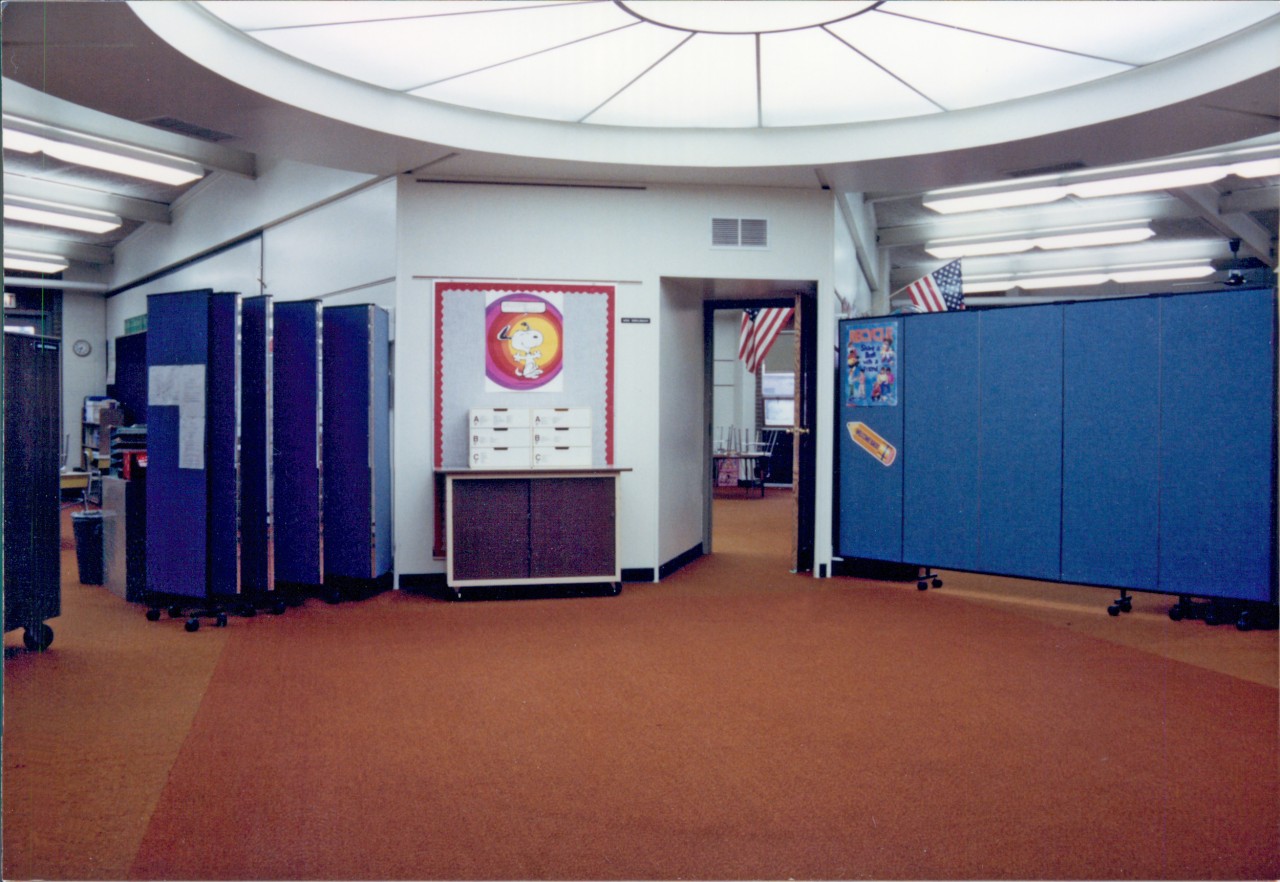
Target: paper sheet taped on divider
<point>870,441</point>
<point>182,386</point>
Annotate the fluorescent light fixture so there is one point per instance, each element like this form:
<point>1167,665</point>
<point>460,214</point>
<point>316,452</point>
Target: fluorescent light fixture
<point>1164,275</point>
<point>986,201</point>
<point>1081,238</point>
<point>22,142</point>
<point>52,214</point>
<point>1093,276</point>
<point>154,167</point>
<point>34,262</point>
<point>1170,180</point>
<point>956,200</point>
<point>1258,168</point>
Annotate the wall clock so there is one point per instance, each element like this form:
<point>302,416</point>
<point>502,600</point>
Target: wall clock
<point>81,347</point>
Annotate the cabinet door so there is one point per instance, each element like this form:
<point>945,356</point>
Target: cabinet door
<point>572,531</point>
<point>489,522</point>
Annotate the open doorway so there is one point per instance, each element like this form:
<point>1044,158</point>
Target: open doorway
<point>759,417</point>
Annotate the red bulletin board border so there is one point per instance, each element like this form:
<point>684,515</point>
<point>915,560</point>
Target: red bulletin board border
<point>609,291</point>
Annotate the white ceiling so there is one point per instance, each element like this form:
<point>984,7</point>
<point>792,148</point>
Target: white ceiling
<point>102,56</point>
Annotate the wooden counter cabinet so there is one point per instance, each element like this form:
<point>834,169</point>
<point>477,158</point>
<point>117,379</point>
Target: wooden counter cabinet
<point>526,527</point>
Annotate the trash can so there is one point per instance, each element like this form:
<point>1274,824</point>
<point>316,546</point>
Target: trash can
<point>88,530</point>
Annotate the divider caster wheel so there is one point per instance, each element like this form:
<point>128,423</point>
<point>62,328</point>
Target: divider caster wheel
<point>279,608</point>
<point>922,585</point>
<point>333,596</point>
<point>192,625</point>
<point>937,583</point>
<point>175,612</point>
<point>1176,612</point>
<point>1113,610</point>
<point>37,638</point>
<point>221,620</point>
<point>153,615</point>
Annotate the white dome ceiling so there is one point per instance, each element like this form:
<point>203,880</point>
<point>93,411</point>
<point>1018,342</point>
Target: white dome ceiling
<point>732,63</point>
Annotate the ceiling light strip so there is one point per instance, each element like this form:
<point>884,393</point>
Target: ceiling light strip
<point>64,216</point>
<point>1089,278</point>
<point>97,153</point>
<point>1109,182</point>
<point>1083,237</point>
<point>34,261</point>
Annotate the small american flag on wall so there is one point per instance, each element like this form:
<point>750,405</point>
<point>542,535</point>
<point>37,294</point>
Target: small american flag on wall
<point>940,291</point>
<point>760,328</point>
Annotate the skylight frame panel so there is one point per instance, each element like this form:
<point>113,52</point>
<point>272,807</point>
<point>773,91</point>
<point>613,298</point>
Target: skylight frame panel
<point>406,55</point>
<point>273,14</point>
<point>713,77</point>
<point>1167,27</point>
<point>959,69</point>
<point>563,84</point>
<point>853,89</point>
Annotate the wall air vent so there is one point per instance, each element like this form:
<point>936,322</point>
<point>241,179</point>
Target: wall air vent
<point>734,232</point>
<point>182,127</point>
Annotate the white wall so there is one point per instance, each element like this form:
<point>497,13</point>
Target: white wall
<point>224,208</point>
<point>633,238</point>
<point>84,317</point>
<point>681,420</point>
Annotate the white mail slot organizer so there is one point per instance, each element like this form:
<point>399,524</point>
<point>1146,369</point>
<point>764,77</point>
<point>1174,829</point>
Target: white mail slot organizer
<point>500,418</point>
<point>561,457</point>
<point>523,437</point>
<point>562,417</point>
<point>562,436</point>
<point>501,457</point>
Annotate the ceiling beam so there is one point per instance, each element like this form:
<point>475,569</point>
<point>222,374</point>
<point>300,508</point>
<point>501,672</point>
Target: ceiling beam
<point>81,197</point>
<point>1255,239</point>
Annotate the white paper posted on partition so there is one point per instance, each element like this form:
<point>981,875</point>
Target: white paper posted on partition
<point>182,386</point>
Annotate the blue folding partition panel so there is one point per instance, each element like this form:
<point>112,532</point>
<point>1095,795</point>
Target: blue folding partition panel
<point>192,428</point>
<point>942,433</point>
<point>1218,456</point>
<point>256,378</point>
<point>1129,443</point>
<point>1021,449</point>
<point>1111,443</point>
<point>870,440</point>
<point>357,443</point>
<point>296,362</point>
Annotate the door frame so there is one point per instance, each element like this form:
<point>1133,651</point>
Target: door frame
<point>804,476</point>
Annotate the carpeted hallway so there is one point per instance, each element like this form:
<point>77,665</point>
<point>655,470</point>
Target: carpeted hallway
<point>733,721</point>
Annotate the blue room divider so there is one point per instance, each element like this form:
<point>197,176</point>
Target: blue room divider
<point>192,426</point>
<point>1126,443</point>
<point>298,327</point>
<point>256,438</point>
<point>357,444</point>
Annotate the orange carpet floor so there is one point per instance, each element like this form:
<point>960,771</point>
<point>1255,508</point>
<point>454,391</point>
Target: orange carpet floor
<point>733,721</point>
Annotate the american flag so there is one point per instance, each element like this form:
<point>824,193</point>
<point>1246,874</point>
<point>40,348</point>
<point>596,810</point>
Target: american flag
<point>760,328</point>
<point>940,291</point>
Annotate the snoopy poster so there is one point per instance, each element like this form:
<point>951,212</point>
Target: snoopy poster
<point>524,342</point>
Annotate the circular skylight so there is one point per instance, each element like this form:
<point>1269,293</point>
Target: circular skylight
<point>721,83</point>
<point>728,63</point>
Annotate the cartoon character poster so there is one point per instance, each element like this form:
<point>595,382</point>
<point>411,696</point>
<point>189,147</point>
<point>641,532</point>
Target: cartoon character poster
<point>871,365</point>
<point>524,342</point>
